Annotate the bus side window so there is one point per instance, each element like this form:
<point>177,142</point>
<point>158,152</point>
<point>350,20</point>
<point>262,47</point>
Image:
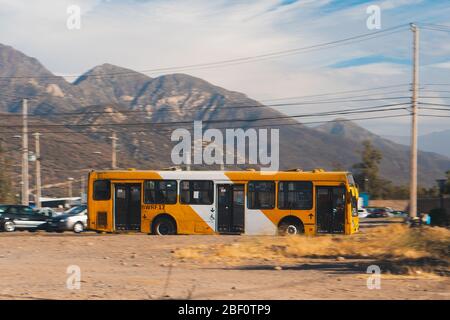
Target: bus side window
<point>297,195</point>
<point>197,192</point>
<point>261,195</point>
<point>160,192</point>
<point>102,190</point>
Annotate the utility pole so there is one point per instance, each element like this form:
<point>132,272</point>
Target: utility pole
<point>415,95</point>
<point>25,200</point>
<point>37,199</point>
<point>114,151</point>
<point>83,188</point>
<point>69,184</point>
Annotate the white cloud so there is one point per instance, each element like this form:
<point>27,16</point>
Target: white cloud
<point>444,65</point>
<point>392,4</point>
<point>376,69</point>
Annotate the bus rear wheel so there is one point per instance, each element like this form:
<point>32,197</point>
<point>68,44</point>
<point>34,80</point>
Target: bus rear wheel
<point>164,226</point>
<point>290,227</point>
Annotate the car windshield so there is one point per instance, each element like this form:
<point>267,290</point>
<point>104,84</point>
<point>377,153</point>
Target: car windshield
<point>3,209</point>
<point>76,210</point>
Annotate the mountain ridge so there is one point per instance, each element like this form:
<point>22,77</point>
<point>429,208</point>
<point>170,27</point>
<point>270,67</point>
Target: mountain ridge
<point>100,102</point>
<point>438,141</point>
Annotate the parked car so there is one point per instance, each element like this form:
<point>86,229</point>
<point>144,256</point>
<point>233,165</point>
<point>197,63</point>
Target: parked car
<point>389,211</point>
<point>362,213</point>
<point>399,213</point>
<point>20,217</point>
<point>48,212</point>
<point>74,219</point>
<point>378,213</point>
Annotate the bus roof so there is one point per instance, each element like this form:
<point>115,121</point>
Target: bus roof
<point>220,175</point>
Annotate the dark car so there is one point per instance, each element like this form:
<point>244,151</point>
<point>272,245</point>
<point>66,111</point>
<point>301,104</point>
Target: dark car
<point>377,213</point>
<point>20,217</point>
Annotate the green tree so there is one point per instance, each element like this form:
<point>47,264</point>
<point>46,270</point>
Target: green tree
<point>6,194</point>
<point>447,187</point>
<point>367,171</point>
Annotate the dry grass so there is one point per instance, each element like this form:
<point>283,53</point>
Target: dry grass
<point>397,248</point>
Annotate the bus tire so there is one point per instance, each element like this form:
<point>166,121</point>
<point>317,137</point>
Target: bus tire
<point>164,226</point>
<point>291,226</point>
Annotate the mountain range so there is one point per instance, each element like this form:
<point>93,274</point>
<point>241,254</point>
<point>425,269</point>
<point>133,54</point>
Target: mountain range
<point>438,141</point>
<point>140,109</point>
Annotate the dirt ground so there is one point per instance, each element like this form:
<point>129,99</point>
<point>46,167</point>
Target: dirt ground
<point>139,266</point>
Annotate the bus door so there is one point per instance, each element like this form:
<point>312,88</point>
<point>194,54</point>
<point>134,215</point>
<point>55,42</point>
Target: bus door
<point>330,212</point>
<point>230,208</point>
<point>127,206</point>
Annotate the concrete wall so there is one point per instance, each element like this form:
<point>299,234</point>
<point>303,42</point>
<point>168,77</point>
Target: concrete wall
<point>394,204</point>
<point>423,204</point>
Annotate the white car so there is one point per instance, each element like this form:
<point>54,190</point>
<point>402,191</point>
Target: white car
<point>74,219</point>
<point>390,211</point>
<point>362,213</point>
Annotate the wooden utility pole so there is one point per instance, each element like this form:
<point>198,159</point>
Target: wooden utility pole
<point>415,95</point>
<point>69,184</point>
<point>114,150</point>
<point>83,188</point>
<point>25,186</point>
<point>38,193</point>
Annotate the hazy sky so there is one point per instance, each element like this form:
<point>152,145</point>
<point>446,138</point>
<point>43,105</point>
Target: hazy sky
<point>142,35</point>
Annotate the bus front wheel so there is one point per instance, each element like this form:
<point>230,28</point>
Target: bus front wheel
<point>164,226</point>
<point>291,226</point>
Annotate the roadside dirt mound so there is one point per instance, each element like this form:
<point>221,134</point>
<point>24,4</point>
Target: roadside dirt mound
<point>397,248</point>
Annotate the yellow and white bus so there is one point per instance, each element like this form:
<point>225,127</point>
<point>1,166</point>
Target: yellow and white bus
<point>222,202</point>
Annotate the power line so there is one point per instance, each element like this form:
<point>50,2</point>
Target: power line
<point>331,100</point>
<point>47,95</point>
<point>435,104</point>
<point>436,91</point>
<point>358,119</point>
<point>232,106</point>
<point>435,115</point>
<point>224,107</point>
<point>436,26</point>
<point>142,130</point>
<point>436,29</point>
<point>343,92</point>
<point>211,121</point>
<point>434,97</point>
<point>433,108</point>
<point>276,54</point>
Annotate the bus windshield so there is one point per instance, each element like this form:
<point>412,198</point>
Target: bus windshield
<point>351,180</point>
